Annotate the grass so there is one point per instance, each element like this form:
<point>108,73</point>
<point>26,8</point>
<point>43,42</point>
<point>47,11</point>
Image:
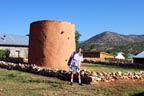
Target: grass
<point>108,68</point>
<point>16,83</point>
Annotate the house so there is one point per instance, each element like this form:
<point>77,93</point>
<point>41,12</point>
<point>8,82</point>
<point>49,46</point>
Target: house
<point>97,55</point>
<point>119,56</point>
<point>17,45</point>
<point>139,58</point>
<point>130,56</point>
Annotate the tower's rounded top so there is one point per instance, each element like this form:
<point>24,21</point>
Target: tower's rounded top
<point>50,21</point>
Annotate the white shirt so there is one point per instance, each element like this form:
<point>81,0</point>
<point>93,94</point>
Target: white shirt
<point>77,59</point>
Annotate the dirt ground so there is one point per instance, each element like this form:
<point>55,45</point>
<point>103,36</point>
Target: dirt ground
<point>118,83</point>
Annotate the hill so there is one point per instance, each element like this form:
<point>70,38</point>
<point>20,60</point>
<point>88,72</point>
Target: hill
<point>112,40</point>
<point>134,48</point>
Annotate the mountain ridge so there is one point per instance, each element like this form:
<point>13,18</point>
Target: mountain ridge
<point>115,38</point>
<point>108,40</point>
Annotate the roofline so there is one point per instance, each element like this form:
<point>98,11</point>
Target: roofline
<point>98,53</point>
<point>12,45</point>
<point>138,57</point>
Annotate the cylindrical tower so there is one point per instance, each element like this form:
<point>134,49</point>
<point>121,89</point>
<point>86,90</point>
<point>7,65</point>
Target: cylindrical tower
<point>51,43</point>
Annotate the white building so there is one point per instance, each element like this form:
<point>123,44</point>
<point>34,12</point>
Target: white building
<point>17,45</point>
<point>119,56</point>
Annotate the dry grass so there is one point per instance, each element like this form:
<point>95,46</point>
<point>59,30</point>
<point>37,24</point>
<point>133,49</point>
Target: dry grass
<point>16,83</point>
<point>108,68</point>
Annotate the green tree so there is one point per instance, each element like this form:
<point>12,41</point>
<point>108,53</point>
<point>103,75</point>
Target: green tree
<point>92,47</point>
<point>4,53</point>
<point>85,47</point>
<point>7,53</point>
<point>77,36</point>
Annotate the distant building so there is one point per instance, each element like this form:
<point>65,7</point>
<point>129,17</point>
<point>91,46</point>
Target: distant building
<point>130,56</point>
<point>17,45</point>
<point>139,58</point>
<point>119,56</point>
<point>97,55</point>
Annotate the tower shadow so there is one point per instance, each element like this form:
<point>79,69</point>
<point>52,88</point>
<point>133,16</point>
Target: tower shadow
<point>139,94</point>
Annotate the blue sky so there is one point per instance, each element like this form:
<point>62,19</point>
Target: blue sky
<point>91,17</point>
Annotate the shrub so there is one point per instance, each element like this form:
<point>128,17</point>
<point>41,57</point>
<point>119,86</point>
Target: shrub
<point>4,53</point>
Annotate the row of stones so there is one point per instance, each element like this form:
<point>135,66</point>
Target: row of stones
<point>86,76</point>
<point>112,76</point>
<point>50,72</point>
<point>115,62</point>
<point>110,60</point>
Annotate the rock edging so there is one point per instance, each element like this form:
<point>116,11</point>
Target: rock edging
<point>86,76</point>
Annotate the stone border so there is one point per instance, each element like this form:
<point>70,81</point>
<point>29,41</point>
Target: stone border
<point>87,77</point>
<point>115,62</point>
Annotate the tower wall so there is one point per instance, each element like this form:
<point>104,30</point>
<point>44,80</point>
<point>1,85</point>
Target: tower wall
<point>51,43</point>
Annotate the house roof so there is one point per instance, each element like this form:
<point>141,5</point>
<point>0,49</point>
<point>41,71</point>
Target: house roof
<point>6,39</point>
<point>130,55</point>
<point>140,55</point>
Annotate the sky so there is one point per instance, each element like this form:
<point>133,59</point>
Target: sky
<point>91,17</point>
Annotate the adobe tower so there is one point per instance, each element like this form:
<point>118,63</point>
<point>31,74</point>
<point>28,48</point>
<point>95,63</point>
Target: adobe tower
<point>51,43</point>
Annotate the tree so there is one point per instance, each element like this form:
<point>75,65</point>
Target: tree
<point>7,53</point>
<point>4,53</point>
<point>77,36</point>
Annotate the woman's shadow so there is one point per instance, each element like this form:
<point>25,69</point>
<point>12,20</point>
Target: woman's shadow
<point>139,94</point>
